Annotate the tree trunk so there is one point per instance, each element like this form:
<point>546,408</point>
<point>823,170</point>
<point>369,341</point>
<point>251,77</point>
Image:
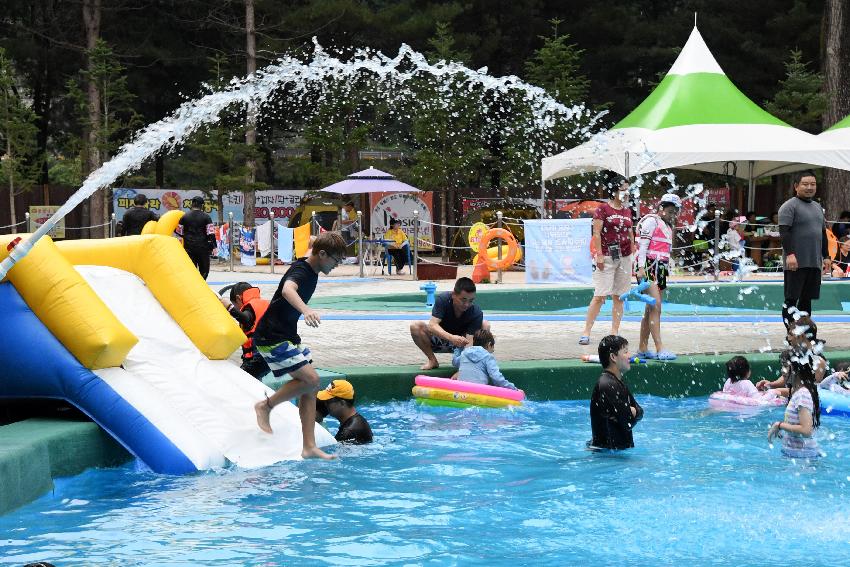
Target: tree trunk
<point>251,131</point>
<point>444,256</point>
<point>836,59</point>
<point>91,19</point>
<point>12,216</point>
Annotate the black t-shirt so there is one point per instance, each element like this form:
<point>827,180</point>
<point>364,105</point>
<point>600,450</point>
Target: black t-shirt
<point>280,323</point>
<point>135,219</point>
<point>467,324</point>
<point>355,430</point>
<point>610,417</point>
<point>198,230</point>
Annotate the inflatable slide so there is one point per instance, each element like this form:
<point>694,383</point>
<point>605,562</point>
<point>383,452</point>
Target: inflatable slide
<point>126,330</point>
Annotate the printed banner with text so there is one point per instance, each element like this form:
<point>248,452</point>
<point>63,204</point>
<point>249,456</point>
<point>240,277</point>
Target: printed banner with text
<point>558,251</point>
<point>281,202</point>
<point>386,206</point>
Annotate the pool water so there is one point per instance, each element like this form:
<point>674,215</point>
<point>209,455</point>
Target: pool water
<point>475,487</point>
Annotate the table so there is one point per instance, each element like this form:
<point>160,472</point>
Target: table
<point>774,244</point>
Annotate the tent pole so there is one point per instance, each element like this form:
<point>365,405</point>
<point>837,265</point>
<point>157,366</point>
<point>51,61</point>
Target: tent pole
<point>751,192</point>
<point>543,198</point>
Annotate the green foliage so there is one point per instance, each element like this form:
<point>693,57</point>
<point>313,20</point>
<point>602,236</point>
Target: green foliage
<point>19,159</point>
<point>556,67</point>
<point>799,101</point>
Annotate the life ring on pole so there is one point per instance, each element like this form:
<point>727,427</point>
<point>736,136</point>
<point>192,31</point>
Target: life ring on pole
<point>508,259</point>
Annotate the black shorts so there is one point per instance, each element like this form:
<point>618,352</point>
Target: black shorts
<point>441,345</point>
<point>657,272</point>
<point>802,282</point>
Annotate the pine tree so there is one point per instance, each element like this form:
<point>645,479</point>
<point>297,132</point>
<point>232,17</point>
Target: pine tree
<point>799,101</point>
<point>19,164</point>
<point>556,67</point>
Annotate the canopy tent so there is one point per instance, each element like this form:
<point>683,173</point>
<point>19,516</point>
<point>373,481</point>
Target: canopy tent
<point>696,118</point>
<point>370,181</point>
<point>838,134</point>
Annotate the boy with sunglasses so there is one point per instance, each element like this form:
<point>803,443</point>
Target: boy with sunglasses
<point>280,346</point>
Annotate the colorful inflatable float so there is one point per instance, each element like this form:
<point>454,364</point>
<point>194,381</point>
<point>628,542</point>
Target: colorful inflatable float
<point>725,401</point>
<point>433,391</point>
<point>126,330</point>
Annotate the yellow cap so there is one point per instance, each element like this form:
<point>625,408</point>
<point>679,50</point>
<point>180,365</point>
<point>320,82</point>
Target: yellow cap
<point>337,389</point>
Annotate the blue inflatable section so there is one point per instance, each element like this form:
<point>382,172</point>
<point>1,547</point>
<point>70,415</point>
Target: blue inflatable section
<point>834,404</point>
<point>36,365</point>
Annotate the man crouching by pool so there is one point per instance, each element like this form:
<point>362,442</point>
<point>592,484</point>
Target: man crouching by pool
<point>454,320</point>
<point>613,410</point>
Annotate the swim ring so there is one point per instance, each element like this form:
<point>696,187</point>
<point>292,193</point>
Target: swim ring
<point>430,390</point>
<point>722,400</point>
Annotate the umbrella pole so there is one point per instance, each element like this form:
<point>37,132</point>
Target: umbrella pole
<point>360,241</point>
<point>543,198</point>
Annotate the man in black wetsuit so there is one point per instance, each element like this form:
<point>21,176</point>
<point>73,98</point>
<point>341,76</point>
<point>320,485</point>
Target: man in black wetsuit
<point>613,410</point>
<point>136,217</point>
<point>337,400</point>
<point>198,232</point>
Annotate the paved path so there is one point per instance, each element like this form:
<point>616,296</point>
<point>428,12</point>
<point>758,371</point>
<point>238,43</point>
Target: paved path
<point>386,343</point>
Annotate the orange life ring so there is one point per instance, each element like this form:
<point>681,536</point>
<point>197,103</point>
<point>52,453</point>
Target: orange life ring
<point>507,260</point>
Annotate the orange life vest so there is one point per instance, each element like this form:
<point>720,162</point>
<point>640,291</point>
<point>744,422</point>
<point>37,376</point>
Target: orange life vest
<point>251,297</point>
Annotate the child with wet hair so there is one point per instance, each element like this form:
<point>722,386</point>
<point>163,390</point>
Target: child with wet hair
<point>802,415</point>
<point>738,381</point>
<point>477,364</point>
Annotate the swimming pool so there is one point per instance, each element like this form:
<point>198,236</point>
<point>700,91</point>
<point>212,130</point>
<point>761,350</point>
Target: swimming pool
<point>475,487</point>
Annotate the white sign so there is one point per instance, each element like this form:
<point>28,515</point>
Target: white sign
<point>387,206</point>
<point>39,215</point>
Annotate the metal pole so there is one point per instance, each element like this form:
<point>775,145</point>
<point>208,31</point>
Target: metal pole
<point>271,258</point>
<point>27,217</point>
<point>112,226</point>
<point>716,245</point>
<point>415,245</point>
<point>360,241</point>
<point>230,239</point>
<point>313,224</point>
<point>498,247</point>
<point>751,192</point>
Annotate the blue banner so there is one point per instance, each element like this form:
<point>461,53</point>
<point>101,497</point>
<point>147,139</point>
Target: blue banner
<point>558,251</point>
<point>285,242</point>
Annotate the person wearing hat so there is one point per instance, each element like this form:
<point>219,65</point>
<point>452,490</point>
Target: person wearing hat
<point>397,244</point>
<point>337,400</point>
<point>652,262</point>
<point>198,232</point>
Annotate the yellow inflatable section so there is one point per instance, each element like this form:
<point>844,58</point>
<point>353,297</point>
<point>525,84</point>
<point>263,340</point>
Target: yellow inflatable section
<point>169,274</point>
<point>463,397</point>
<point>165,225</point>
<point>493,252</point>
<point>68,307</point>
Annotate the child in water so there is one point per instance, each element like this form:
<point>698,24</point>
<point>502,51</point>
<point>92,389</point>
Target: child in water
<point>738,381</point>
<point>838,381</point>
<point>802,415</point>
<point>477,363</point>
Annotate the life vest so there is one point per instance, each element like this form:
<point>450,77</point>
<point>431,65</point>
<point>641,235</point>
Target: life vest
<point>251,297</point>
<point>660,239</point>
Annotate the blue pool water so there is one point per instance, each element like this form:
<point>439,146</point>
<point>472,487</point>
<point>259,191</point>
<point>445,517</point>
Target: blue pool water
<point>476,487</point>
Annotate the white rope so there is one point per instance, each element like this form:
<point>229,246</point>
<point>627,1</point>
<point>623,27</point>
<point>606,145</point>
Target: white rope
<point>13,225</point>
<point>426,261</point>
<point>85,227</point>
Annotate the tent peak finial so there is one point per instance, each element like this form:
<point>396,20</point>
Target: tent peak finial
<point>695,20</point>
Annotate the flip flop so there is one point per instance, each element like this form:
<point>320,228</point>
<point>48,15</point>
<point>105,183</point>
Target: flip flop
<point>648,355</point>
<point>665,355</point>
<point>584,340</point>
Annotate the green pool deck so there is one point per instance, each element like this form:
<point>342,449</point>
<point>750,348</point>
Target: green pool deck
<point>35,451</point>
<point>765,296</point>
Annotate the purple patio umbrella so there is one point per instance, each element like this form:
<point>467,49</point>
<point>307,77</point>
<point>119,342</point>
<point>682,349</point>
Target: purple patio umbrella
<point>370,181</point>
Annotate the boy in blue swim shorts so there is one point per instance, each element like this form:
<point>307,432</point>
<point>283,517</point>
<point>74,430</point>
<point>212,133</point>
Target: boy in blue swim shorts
<point>280,346</point>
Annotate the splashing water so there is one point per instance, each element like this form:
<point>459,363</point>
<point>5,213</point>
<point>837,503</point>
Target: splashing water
<point>395,74</point>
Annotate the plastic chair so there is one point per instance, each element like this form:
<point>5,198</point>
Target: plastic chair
<point>389,259</point>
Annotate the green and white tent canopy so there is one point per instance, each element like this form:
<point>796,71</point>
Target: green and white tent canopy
<point>838,134</point>
<point>698,119</point>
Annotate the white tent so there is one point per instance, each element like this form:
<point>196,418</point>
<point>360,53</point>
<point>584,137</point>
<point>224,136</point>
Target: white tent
<point>698,119</point>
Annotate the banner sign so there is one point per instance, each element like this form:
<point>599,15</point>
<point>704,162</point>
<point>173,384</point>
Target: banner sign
<point>39,215</point>
<point>246,246</point>
<point>281,202</point>
<point>386,206</point>
<point>558,251</point>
